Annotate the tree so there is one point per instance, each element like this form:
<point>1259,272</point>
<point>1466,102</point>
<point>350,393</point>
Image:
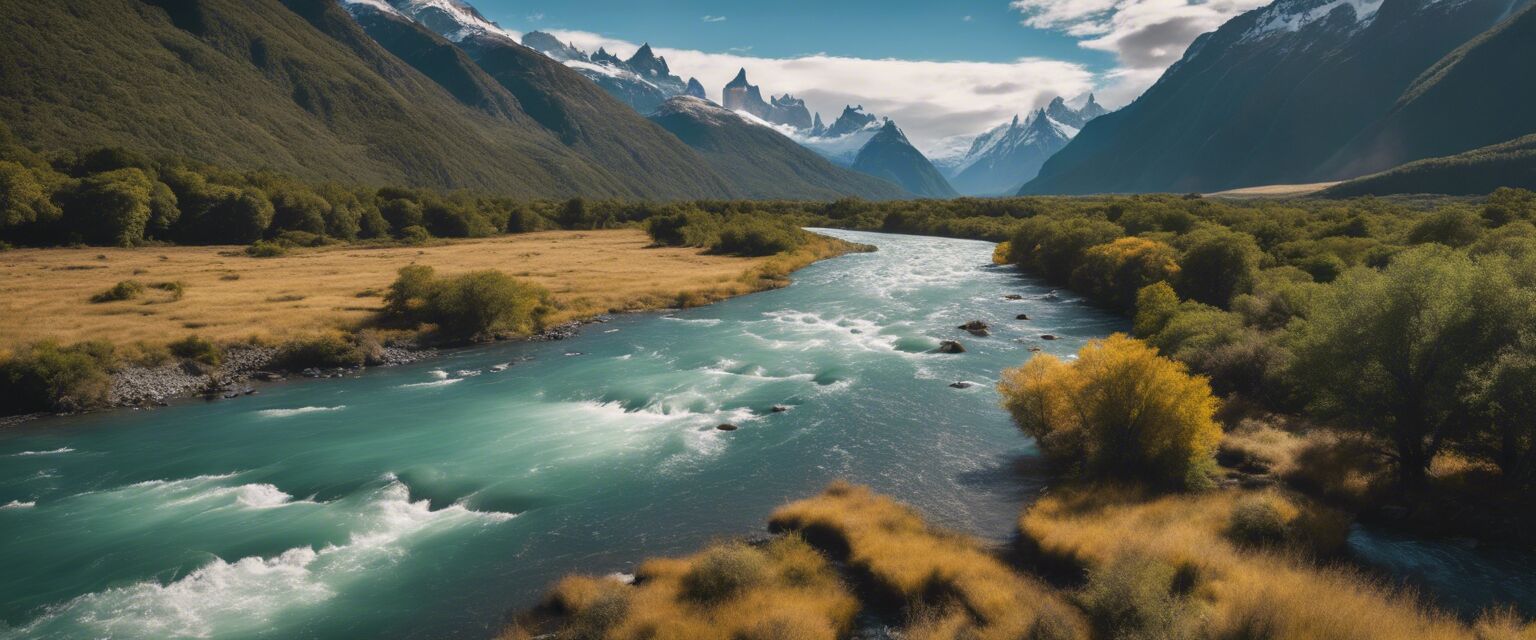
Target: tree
<point>1119,410</point>
<point>297,208</point>
<point>1503,396</point>
<point>23,198</point>
<point>111,207</point>
<point>1392,351</point>
<point>1217,265</point>
<point>1113,273</point>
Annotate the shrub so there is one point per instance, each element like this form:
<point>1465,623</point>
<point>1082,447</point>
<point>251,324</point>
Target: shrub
<point>125,290</point>
<point>1118,410</point>
<point>1262,519</point>
<point>757,237</point>
<point>1217,265</point>
<point>323,351</point>
<point>110,208</point>
<point>468,306</point>
<point>266,249</point>
<point>1113,273</point>
<point>1135,596</point>
<point>414,235</point>
<point>196,348</point>
<point>177,289</point>
<point>48,377</point>
<point>724,572</point>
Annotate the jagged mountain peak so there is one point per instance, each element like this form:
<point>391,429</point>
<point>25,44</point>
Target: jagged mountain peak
<point>695,89</point>
<point>740,80</point>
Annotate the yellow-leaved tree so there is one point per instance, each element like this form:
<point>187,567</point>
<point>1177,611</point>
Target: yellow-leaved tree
<point>1119,410</point>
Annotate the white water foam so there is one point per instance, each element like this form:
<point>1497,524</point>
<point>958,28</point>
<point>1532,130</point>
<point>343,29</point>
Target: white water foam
<point>245,596</point>
<point>51,452</point>
<point>284,413</point>
<point>438,373</point>
<point>434,383</point>
<point>17,504</point>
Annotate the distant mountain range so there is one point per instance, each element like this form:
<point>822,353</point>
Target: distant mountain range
<point>1313,90</point>
<point>1001,160</point>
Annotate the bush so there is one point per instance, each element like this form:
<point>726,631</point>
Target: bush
<point>325,351</point>
<point>757,237</point>
<point>1118,410</point>
<point>125,290</point>
<point>724,572</point>
<point>177,289</point>
<point>1261,520</point>
<point>473,305</point>
<point>1217,265</point>
<point>1113,273</point>
<point>1139,597</point>
<point>196,348</point>
<point>48,377</point>
<point>266,249</point>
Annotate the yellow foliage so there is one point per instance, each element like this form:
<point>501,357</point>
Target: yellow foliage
<point>1243,593</point>
<point>784,590</point>
<point>1118,409</point>
<point>1001,252</point>
<point>1113,272</point>
<point>950,585</point>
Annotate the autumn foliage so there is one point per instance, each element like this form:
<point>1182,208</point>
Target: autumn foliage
<point>1118,410</point>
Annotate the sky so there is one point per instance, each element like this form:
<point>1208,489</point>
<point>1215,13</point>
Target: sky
<point>944,70</point>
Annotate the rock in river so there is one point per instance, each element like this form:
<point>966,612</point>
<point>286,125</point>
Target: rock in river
<point>951,346</point>
<point>727,427</point>
<point>961,385</point>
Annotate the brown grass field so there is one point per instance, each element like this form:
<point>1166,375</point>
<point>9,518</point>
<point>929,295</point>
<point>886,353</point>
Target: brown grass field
<point>45,293</point>
<point>1273,191</point>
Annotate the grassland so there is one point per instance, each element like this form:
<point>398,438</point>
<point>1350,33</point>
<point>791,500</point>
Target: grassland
<point>229,296</point>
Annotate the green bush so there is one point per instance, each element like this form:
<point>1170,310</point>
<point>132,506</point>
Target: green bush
<point>266,249</point>
<point>1140,597</point>
<point>469,306</point>
<point>48,377</point>
<point>196,348</point>
<point>177,289</point>
<point>125,290</point>
<point>757,237</point>
<point>325,351</point>
<point>724,572</point>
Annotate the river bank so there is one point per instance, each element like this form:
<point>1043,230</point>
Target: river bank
<point>589,274</point>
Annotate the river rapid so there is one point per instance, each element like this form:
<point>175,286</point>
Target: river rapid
<point>429,500</point>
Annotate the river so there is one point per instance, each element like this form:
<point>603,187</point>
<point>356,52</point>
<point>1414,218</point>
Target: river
<point>430,500</point>
<point>418,501</point>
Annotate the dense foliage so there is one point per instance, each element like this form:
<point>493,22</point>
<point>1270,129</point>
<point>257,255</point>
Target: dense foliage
<point>468,306</point>
<point>1118,410</point>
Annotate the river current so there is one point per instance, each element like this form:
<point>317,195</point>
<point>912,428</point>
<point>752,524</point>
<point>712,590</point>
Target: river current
<point>431,500</point>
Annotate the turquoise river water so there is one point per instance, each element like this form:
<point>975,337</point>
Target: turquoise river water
<point>430,500</point>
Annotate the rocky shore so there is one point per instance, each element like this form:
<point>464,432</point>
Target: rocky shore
<point>245,366</point>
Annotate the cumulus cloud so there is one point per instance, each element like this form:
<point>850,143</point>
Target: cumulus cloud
<point>932,101</point>
<point>1144,35</point>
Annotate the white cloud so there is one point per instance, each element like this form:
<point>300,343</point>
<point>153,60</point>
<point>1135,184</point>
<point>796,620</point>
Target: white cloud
<point>714,18</point>
<point>931,101</point>
<point>965,18</point>
<point>1144,35</point>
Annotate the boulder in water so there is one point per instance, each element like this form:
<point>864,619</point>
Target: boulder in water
<point>976,328</point>
<point>961,385</point>
<point>727,427</point>
<point>1022,316</point>
<point>1048,336</point>
<point>779,408</point>
<point>951,346</point>
<point>1013,296</point>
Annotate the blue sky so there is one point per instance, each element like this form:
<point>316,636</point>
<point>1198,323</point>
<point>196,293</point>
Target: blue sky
<point>908,29</point>
<point>944,71</point>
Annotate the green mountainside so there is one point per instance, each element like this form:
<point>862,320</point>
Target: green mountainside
<point>888,155</point>
<point>1508,164</point>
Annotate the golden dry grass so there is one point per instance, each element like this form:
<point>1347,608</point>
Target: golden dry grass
<point>1273,191</point>
<point>787,591</point>
<point>45,293</point>
<point>1241,592</point>
<point>949,585</point>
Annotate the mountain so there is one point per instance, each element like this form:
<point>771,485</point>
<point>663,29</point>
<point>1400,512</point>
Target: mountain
<point>890,156</point>
<point>581,115</point>
<point>1267,98</point>
<point>1480,171</point>
<point>842,141</point>
<point>297,86</point>
<point>764,162</point>
<point>695,89</point>
<point>1003,159</point>
<point>740,95</point>
<point>1471,98</point>
<point>643,81</point>
<point>1075,118</point>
